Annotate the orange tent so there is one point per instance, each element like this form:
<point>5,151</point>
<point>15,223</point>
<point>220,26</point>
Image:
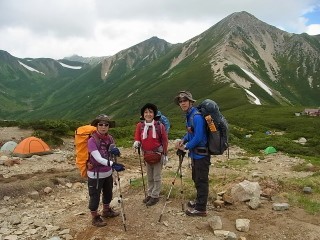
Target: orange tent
<point>31,146</point>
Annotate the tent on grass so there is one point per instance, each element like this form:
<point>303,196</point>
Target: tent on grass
<point>270,150</point>
<point>8,147</point>
<point>31,146</point>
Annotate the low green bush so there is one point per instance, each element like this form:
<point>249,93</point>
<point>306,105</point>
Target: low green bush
<point>248,127</point>
<point>52,140</point>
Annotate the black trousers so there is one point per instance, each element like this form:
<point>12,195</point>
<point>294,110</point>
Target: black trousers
<point>105,186</point>
<point>200,177</point>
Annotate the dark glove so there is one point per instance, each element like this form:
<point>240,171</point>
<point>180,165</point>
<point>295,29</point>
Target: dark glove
<point>118,167</point>
<point>115,151</point>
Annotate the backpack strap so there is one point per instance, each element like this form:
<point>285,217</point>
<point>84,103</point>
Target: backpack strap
<point>96,139</point>
<point>158,129</point>
<point>191,119</point>
<point>98,144</point>
<point>198,150</point>
<point>157,126</point>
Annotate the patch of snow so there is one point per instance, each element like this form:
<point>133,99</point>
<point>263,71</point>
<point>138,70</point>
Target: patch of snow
<point>68,66</point>
<point>310,80</point>
<point>30,68</point>
<point>258,81</point>
<point>257,100</point>
<point>130,94</point>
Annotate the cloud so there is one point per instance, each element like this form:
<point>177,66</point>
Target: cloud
<point>313,29</point>
<point>59,28</point>
<point>56,18</point>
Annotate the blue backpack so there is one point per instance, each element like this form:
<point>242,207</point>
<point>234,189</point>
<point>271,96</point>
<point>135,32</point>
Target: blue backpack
<point>164,120</point>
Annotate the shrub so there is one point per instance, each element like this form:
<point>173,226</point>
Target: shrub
<point>52,140</point>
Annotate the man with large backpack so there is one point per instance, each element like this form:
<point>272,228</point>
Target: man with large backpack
<point>195,140</point>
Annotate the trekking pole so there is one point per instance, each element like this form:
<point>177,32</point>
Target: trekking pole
<point>120,200</point>
<point>172,183</point>
<point>144,186</point>
<point>228,154</point>
<point>181,155</point>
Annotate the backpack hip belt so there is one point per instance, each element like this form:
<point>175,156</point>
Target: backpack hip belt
<point>202,151</point>
<point>153,152</point>
<point>156,150</point>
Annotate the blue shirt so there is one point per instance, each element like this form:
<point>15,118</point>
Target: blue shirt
<point>196,135</point>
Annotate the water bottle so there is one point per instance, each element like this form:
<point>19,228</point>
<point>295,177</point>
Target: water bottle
<point>210,123</point>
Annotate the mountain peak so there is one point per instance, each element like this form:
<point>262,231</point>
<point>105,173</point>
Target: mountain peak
<point>245,21</point>
<point>241,15</point>
<point>5,55</point>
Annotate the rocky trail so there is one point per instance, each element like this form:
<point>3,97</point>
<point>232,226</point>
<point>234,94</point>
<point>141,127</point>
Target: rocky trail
<point>43,197</point>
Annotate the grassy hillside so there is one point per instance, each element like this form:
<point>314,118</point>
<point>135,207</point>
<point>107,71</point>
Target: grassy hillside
<point>249,120</point>
<point>281,121</point>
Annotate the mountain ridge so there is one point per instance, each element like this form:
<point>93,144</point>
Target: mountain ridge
<point>240,60</point>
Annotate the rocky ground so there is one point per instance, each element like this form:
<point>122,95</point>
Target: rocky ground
<point>44,198</point>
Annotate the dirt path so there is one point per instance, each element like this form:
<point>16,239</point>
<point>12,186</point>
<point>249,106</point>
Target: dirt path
<point>63,212</point>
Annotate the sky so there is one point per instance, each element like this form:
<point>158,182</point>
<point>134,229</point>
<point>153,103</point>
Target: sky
<point>60,28</point>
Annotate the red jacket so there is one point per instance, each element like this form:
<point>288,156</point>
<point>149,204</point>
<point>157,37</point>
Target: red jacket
<point>150,143</point>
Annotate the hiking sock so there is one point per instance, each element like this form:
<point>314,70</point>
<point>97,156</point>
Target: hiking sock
<point>106,207</point>
<point>94,214</point>
<point>108,212</point>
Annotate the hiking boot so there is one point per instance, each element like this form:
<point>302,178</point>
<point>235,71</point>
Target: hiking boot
<point>98,222</point>
<point>152,201</point>
<point>146,199</point>
<point>191,204</point>
<point>109,213</point>
<point>194,212</point>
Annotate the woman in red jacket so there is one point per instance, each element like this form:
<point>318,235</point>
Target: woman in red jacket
<point>151,136</point>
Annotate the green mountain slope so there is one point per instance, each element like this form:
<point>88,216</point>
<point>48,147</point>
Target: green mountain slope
<point>238,61</point>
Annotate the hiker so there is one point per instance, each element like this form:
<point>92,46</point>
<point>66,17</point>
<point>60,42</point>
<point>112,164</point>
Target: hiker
<point>100,169</point>
<point>151,136</point>
<point>195,138</point>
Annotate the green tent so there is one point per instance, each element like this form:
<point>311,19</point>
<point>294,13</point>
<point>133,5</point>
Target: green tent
<point>270,150</point>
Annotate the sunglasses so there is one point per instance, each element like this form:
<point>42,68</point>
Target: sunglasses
<point>103,124</point>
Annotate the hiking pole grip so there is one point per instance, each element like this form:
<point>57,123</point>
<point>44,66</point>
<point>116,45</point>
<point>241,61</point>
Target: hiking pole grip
<point>181,153</point>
